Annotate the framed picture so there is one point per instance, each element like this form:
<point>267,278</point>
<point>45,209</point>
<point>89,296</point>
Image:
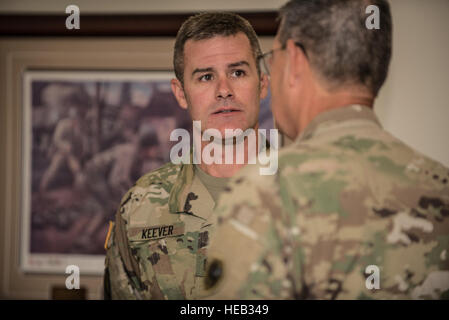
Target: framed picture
<point>87,137</point>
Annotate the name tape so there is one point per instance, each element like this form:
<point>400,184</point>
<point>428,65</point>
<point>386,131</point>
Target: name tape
<point>155,232</point>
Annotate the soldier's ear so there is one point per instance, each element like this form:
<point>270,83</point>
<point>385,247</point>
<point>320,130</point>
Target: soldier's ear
<point>295,61</point>
<point>178,91</point>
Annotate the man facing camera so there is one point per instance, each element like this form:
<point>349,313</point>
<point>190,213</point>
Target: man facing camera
<point>157,247</point>
<point>352,212</point>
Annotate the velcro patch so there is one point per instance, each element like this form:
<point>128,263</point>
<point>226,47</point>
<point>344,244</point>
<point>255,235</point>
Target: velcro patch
<point>155,232</point>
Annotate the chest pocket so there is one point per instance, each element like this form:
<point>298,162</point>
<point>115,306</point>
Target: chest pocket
<point>174,267</point>
<point>195,243</point>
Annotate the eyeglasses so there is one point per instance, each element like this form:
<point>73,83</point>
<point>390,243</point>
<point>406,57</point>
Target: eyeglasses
<point>266,58</point>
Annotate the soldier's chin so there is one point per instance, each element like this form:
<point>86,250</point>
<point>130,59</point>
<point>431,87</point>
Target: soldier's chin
<point>223,135</point>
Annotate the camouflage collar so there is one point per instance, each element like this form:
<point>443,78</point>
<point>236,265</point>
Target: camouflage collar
<point>178,194</point>
<point>339,115</point>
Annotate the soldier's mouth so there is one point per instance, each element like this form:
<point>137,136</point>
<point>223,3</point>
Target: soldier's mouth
<point>225,111</point>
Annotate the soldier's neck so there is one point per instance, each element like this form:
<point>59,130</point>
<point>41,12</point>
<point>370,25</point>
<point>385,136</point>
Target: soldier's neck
<point>221,170</point>
<point>319,103</point>
<point>224,170</point>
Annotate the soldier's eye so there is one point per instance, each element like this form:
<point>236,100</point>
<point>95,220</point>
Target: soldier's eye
<point>238,73</point>
<point>206,77</point>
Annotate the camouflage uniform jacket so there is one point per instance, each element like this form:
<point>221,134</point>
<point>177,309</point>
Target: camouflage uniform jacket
<point>351,213</point>
<point>156,249</point>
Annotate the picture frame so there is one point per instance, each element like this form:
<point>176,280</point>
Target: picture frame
<point>107,119</point>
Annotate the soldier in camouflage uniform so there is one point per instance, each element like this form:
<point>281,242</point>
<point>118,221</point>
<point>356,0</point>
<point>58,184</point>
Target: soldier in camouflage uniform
<point>353,212</point>
<point>156,249</point>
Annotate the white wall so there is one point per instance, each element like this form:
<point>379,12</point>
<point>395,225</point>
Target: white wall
<point>414,103</point>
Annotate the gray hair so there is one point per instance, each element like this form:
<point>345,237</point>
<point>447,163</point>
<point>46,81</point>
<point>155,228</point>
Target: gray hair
<point>338,44</point>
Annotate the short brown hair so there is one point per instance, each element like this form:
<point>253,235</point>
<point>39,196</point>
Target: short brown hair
<point>208,25</point>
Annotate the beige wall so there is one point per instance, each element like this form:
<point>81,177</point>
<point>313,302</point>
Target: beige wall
<point>414,103</point>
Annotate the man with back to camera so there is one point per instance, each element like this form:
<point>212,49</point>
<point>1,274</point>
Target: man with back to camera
<point>157,247</point>
<point>353,212</point>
